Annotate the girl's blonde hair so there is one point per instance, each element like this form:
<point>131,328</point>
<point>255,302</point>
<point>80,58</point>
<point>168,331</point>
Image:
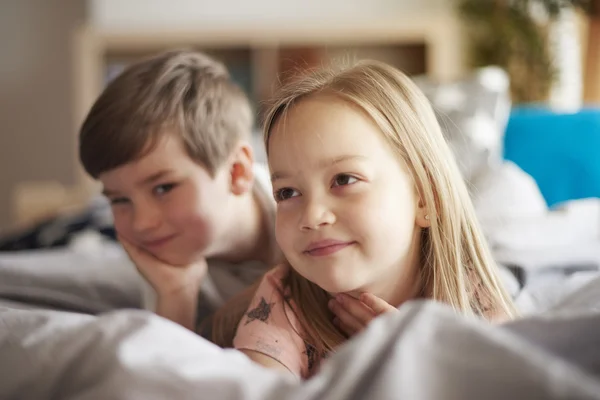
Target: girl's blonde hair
<point>457,267</point>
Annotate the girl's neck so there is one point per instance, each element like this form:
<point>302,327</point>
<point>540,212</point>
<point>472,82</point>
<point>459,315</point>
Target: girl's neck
<point>404,281</point>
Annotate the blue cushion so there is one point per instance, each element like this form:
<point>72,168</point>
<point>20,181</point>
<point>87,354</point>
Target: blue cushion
<point>560,151</point>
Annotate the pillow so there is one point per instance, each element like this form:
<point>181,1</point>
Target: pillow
<point>473,114</point>
<point>85,278</point>
<point>559,150</point>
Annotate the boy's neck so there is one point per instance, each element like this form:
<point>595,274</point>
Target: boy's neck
<point>250,235</point>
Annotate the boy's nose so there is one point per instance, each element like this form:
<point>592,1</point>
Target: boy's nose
<point>316,215</point>
<point>145,218</point>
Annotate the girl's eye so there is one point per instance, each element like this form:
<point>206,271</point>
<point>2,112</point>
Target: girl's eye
<point>163,189</point>
<point>344,179</point>
<point>284,194</point>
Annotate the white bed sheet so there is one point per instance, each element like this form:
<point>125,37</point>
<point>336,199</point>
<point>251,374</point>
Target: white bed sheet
<point>423,352</point>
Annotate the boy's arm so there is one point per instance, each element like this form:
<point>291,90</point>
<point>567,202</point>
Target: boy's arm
<point>180,307</point>
<point>176,286</point>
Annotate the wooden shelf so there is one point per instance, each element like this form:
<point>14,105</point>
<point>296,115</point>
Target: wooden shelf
<point>431,44</point>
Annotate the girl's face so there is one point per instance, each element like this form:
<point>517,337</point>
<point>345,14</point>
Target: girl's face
<point>348,213</point>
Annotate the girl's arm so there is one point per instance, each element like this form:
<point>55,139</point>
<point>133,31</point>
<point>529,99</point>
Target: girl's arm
<point>269,333</point>
<point>266,361</point>
<point>498,317</point>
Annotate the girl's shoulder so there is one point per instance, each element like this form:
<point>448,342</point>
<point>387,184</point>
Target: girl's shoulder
<point>280,271</point>
<point>270,326</point>
<point>275,279</point>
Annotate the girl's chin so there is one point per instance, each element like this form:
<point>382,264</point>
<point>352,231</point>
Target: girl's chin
<point>334,288</point>
<point>351,293</point>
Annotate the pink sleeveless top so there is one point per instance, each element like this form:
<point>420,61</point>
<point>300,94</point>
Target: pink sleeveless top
<point>271,327</point>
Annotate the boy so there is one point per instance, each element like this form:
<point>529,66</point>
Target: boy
<point>169,141</point>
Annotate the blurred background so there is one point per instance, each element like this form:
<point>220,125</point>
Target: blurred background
<point>58,54</point>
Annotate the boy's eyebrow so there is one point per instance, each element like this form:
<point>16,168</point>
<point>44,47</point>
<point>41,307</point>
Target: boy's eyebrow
<point>326,163</point>
<point>108,193</point>
<point>154,177</point>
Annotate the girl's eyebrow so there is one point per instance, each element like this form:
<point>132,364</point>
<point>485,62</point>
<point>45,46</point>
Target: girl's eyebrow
<point>323,164</point>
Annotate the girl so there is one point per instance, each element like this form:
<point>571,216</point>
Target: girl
<point>371,212</point>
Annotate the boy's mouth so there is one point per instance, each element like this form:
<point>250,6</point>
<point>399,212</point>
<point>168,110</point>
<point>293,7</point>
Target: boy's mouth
<point>158,242</point>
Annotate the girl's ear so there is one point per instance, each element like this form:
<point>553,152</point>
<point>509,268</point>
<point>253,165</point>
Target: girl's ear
<point>423,217</point>
<point>241,169</point>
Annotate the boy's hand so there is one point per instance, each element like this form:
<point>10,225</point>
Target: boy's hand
<point>353,315</point>
<point>168,280</point>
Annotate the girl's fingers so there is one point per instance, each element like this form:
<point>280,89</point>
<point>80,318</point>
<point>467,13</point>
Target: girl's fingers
<point>347,319</point>
<point>356,308</point>
<point>343,327</point>
<point>352,315</point>
<point>376,304</point>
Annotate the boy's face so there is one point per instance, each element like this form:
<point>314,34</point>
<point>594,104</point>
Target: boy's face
<point>169,205</point>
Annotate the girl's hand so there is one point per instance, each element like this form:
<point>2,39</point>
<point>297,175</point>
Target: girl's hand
<point>167,280</point>
<point>353,315</point>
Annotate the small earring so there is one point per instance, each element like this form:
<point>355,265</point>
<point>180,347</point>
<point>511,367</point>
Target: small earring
<point>427,217</point>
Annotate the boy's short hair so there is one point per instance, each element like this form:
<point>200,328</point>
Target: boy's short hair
<point>182,92</point>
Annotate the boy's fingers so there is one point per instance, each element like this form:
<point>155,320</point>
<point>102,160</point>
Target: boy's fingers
<point>376,304</point>
<point>136,254</point>
<point>129,248</point>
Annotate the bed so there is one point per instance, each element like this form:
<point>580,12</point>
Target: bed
<point>72,327</point>
<point>72,324</point>
<point>423,352</point>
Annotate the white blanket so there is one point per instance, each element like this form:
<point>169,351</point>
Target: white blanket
<point>423,352</point>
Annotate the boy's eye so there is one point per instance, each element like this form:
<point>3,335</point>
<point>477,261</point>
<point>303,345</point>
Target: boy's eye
<point>118,200</point>
<point>344,179</point>
<point>163,189</point>
<point>285,193</point>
